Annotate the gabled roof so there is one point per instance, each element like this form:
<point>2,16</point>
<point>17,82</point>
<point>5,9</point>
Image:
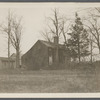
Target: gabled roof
<point>51,44</point>
<point>48,44</point>
<point>13,55</point>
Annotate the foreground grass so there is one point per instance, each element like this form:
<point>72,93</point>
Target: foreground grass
<point>49,81</point>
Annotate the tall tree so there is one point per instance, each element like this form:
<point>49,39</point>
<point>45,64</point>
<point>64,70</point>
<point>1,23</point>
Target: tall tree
<point>6,29</point>
<point>94,28</point>
<point>91,46</point>
<point>15,38</point>
<point>78,42</point>
<point>54,30</point>
<point>9,31</point>
<point>14,31</point>
<point>65,28</point>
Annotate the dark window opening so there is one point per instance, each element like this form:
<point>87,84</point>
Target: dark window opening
<point>61,56</point>
<point>51,56</point>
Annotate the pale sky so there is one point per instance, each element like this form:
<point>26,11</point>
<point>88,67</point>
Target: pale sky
<point>34,15</point>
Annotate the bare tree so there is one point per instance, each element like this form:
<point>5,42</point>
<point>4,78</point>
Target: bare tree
<point>9,31</point>
<point>47,35</point>
<point>56,31</point>
<point>6,29</point>
<point>94,29</point>
<point>54,28</point>
<point>15,38</point>
<point>14,32</point>
<point>98,12</point>
<point>65,28</point>
<point>57,26</point>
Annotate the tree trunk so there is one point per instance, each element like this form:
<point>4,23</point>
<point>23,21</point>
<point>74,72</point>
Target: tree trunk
<point>8,46</point>
<point>65,38</point>
<point>79,49</point>
<point>17,58</point>
<point>9,29</point>
<point>91,50</point>
<point>8,50</point>
<point>57,53</point>
<point>99,48</point>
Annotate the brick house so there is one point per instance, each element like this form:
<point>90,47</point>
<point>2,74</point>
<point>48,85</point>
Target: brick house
<point>43,55</point>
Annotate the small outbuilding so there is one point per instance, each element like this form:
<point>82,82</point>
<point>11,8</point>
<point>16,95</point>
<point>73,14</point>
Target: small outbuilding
<point>43,55</point>
<point>6,63</point>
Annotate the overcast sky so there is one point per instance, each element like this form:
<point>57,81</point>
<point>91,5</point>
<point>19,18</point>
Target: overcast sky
<point>34,15</point>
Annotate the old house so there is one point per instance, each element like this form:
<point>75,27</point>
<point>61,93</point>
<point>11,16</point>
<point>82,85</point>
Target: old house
<point>43,55</point>
<point>7,63</point>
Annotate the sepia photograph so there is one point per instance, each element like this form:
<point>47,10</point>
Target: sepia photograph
<point>50,47</point>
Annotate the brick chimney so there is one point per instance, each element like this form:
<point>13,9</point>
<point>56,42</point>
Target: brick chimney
<point>56,40</point>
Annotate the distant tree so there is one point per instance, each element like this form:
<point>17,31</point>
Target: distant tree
<point>78,42</point>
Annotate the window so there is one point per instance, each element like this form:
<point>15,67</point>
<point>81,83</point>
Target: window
<point>50,56</point>
<point>50,60</point>
<point>61,56</point>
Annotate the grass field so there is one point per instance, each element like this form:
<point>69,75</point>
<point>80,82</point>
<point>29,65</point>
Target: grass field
<point>49,81</point>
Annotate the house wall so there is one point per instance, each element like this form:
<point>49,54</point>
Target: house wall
<point>4,64</point>
<point>62,59</point>
<point>0,64</point>
<point>36,57</point>
<point>39,57</point>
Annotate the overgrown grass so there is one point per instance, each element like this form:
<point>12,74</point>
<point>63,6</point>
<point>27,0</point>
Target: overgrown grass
<point>71,80</point>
